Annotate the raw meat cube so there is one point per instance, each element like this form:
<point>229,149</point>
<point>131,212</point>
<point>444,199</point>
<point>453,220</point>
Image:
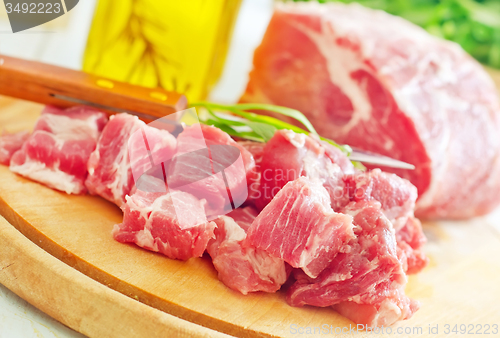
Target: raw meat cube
<point>397,197</point>
<point>212,166</point>
<point>242,267</point>
<point>57,152</point>
<point>300,227</point>
<point>126,149</point>
<point>172,223</point>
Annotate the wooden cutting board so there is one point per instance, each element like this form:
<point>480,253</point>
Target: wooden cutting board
<point>460,286</point>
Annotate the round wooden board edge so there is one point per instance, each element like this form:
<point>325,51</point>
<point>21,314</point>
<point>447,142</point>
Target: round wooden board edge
<point>78,301</point>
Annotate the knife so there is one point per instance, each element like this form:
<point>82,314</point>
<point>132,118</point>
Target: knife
<point>374,158</point>
<point>63,87</point>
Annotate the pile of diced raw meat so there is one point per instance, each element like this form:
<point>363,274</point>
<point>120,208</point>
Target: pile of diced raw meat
<point>293,210</point>
<point>379,83</point>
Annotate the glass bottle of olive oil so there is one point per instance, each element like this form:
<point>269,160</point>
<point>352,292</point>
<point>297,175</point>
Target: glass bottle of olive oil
<point>179,45</point>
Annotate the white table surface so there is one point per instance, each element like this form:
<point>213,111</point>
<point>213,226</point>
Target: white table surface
<point>62,42</point>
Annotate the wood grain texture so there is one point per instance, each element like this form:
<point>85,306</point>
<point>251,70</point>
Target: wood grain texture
<point>460,286</point>
<point>78,301</point>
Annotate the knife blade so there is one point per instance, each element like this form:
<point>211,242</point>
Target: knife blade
<point>377,159</point>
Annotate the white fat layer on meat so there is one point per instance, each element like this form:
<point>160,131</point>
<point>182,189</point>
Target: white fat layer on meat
<point>52,177</point>
<point>68,128</point>
<point>374,264</point>
<point>313,247</point>
<point>387,314</point>
<point>144,239</point>
<point>121,166</point>
<point>179,205</point>
<point>400,222</point>
<point>310,161</point>
<point>165,247</point>
<point>266,266</point>
<point>167,141</point>
<point>286,211</point>
<point>296,139</point>
<point>138,204</point>
<point>187,220</point>
<point>93,162</point>
<point>319,195</point>
<point>392,213</point>
<point>340,69</point>
<point>337,277</point>
<point>315,172</point>
<point>234,232</point>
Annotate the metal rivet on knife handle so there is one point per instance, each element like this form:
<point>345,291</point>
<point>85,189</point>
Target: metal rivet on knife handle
<point>105,84</point>
<point>158,96</point>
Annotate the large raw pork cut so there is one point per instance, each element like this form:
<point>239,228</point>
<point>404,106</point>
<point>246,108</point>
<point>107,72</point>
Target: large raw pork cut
<point>243,267</point>
<point>10,143</point>
<point>378,82</point>
<point>126,149</point>
<point>57,152</point>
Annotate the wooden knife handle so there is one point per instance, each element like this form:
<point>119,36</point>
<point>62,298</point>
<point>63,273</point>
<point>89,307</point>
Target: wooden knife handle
<point>39,82</point>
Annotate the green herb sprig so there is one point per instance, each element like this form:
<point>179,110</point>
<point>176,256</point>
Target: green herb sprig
<point>257,127</point>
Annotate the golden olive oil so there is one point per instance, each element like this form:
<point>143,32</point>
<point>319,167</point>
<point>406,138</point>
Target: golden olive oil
<point>179,45</point>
